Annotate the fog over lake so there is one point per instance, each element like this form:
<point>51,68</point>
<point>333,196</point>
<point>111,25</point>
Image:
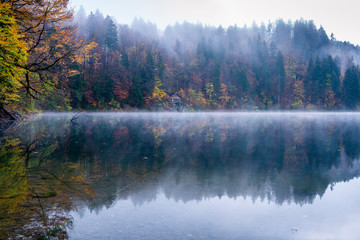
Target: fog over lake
<point>215,175</point>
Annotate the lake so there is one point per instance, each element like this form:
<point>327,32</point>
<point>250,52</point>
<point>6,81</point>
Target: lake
<point>181,176</point>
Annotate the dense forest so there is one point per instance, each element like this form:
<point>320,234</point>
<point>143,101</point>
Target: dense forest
<point>57,59</point>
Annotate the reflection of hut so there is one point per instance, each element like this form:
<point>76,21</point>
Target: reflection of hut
<point>175,98</point>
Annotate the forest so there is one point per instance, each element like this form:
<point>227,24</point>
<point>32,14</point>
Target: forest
<point>56,59</point>
<point>69,172</point>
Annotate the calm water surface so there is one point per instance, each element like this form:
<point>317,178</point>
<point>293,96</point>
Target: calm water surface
<point>182,176</point>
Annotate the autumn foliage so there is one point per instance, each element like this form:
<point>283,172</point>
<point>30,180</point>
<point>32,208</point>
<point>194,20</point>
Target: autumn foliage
<point>57,60</point>
<point>13,54</point>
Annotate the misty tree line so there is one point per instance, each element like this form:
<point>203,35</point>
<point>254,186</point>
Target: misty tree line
<point>287,65</point>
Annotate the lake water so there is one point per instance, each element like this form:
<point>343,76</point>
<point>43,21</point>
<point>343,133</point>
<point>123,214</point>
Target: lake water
<point>182,176</point>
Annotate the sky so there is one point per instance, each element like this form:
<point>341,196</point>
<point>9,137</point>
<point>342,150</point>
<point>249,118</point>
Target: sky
<point>339,17</point>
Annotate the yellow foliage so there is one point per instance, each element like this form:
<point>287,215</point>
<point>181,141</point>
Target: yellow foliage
<point>159,97</point>
<point>12,55</point>
<point>195,99</point>
<point>299,95</point>
<point>181,93</point>
<point>48,40</point>
<point>84,52</point>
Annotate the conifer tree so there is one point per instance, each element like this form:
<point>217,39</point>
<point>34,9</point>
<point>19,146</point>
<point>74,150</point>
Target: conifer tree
<point>351,93</point>
<point>111,35</point>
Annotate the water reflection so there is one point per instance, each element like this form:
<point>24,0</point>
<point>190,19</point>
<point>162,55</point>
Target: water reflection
<point>54,165</point>
<point>36,191</point>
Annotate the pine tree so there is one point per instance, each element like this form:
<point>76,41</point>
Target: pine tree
<point>125,60</point>
<point>351,93</point>
<point>111,34</point>
<point>280,69</point>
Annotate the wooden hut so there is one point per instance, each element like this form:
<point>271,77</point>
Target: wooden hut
<point>175,98</point>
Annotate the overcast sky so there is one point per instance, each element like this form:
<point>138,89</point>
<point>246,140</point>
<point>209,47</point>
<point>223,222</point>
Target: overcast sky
<point>339,17</point>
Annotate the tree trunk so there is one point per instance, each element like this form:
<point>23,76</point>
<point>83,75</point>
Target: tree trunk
<point>6,115</point>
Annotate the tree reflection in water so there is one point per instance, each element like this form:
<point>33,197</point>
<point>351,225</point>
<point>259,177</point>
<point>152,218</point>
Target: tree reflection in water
<point>51,166</point>
<point>36,192</point>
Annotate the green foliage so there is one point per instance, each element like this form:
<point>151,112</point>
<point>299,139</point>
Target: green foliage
<point>136,93</point>
<point>330,100</point>
<point>111,34</point>
<point>280,81</point>
<point>351,89</point>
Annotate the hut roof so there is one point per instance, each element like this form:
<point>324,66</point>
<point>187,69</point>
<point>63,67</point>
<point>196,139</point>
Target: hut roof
<point>175,96</point>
